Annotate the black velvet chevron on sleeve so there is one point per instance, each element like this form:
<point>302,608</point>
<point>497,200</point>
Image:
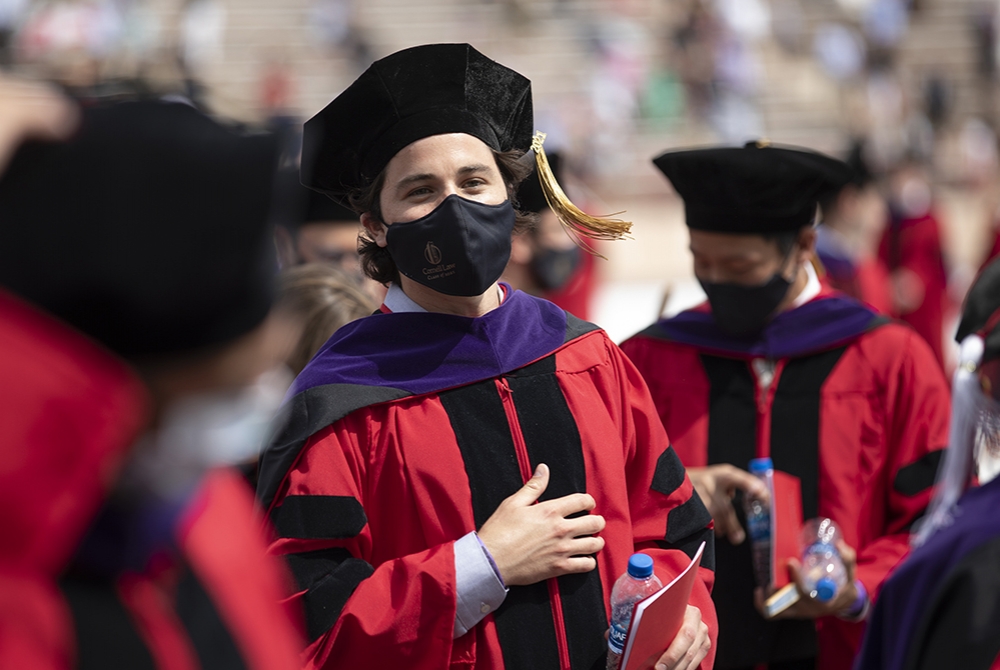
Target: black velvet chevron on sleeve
<point>919,475</point>
<point>687,528</point>
<point>669,473</point>
<point>319,517</point>
<point>329,577</point>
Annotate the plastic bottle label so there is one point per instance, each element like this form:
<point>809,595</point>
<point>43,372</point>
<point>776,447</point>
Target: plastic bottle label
<point>759,524</point>
<point>616,640</point>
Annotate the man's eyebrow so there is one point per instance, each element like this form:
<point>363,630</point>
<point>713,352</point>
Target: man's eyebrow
<point>406,181</point>
<point>471,169</point>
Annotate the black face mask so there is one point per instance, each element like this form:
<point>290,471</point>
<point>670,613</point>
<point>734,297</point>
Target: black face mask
<point>552,268</point>
<point>461,248</point>
<point>742,310</point>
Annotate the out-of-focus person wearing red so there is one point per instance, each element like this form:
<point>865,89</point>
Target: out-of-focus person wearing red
<point>544,260</point>
<point>911,250</point>
<point>853,216</point>
<point>136,273</point>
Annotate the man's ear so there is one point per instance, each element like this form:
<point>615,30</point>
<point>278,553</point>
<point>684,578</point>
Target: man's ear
<point>807,244</point>
<point>376,229</point>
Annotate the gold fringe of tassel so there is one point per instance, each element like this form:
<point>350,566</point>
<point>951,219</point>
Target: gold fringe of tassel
<point>580,225</point>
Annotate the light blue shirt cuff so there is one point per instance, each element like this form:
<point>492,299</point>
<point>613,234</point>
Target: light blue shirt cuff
<point>479,589</point>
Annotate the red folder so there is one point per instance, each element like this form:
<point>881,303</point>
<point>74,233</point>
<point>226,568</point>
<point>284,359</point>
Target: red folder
<point>657,618</point>
<point>786,524</point>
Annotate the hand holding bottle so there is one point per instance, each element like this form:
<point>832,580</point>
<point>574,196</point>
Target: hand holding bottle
<point>716,485</point>
<point>824,577</point>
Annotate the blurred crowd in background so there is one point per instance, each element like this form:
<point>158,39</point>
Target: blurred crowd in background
<point>907,89</point>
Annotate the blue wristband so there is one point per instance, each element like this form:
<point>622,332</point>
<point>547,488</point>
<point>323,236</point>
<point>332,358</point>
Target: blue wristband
<point>859,607</point>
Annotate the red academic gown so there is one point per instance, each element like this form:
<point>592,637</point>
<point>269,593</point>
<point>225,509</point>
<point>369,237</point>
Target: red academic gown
<point>857,409</point>
<point>408,430</point>
<point>915,245</point>
<point>69,413</point>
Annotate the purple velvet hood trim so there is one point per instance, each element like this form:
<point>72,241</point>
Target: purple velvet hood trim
<point>422,352</point>
<point>820,324</point>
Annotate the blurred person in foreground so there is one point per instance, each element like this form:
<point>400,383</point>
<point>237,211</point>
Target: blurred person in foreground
<point>135,290</point>
<point>544,260</point>
<point>774,364</point>
<point>403,487</point>
<point>941,607</point>
<point>317,229</point>
<point>853,216</point>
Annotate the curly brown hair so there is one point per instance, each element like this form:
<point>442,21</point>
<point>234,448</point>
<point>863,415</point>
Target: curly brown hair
<point>376,261</point>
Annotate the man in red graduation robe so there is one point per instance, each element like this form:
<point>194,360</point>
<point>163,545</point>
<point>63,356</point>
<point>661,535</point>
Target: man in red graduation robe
<point>133,294</point>
<point>402,488</point>
<point>775,365</point>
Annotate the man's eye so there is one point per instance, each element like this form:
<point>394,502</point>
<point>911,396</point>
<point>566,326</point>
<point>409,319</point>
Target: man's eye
<point>423,190</point>
<point>475,183</point>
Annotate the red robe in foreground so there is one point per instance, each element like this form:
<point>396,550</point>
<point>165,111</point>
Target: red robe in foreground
<point>408,430</point>
<point>857,408</point>
<point>68,413</point>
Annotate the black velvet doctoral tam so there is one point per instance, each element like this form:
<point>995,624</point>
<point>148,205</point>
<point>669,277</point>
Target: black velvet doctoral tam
<point>758,188</point>
<point>979,314</point>
<point>427,90</point>
<point>149,230</point>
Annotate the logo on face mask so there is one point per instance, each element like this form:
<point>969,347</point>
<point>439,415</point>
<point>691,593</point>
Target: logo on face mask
<point>432,254</point>
<point>472,236</point>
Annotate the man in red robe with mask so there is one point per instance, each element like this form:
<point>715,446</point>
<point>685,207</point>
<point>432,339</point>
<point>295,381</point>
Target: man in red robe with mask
<point>774,365</point>
<point>403,487</point>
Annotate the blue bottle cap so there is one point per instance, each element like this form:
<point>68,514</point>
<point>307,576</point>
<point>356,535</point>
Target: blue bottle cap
<point>826,589</point>
<point>759,466</point>
<point>640,566</point>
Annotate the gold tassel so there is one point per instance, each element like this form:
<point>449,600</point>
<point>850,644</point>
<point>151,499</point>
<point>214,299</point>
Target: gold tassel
<point>578,224</point>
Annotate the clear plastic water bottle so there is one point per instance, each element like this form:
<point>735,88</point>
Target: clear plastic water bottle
<point>758,513</point>
<point>637,583</point>
<point>822,567</point>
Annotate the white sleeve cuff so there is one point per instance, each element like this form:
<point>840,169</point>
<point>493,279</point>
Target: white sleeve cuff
<point>479,590</point>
